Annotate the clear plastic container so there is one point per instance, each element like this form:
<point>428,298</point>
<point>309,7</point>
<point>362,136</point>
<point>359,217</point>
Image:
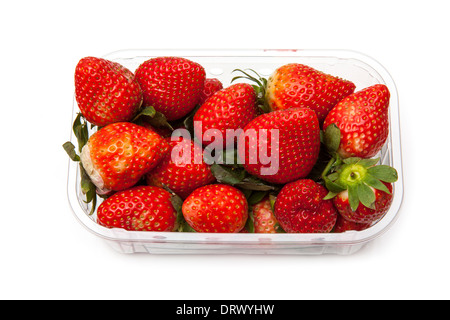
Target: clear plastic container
<point>359,68</point>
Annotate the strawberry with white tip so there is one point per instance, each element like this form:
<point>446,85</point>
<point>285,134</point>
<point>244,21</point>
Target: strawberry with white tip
<point>296,85</point>
<point>118,155</point>
<point>263,217</point>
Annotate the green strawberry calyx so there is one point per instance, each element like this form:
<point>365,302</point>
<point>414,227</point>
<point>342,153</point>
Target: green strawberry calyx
<point>359,177</point>
<point>80,129</point>
<point>259,87</point>
<point>151,116</point>
<point>181,224</point>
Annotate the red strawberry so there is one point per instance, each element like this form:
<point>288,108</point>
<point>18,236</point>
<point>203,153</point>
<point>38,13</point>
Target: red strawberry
<point>218,208</point>
<point>229,108</point>
<point>363,214</point>
<point>105,91</point>
<point>172,85</point>
<point>118,155</point>
<point>360,189</point>
<point>343,225</point>
<point>362,118</point>
<point>291,138</point>
<point>297,85</point>
<point>141,208</point>
<point>183,169</point>
<point>211,86</point>
<point>264,220</point>
<point>300,208</point>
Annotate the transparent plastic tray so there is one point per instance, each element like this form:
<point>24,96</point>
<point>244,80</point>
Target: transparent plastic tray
<point>359,68</point>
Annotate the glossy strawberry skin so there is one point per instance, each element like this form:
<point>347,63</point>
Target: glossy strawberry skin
<point>343,225</point>
<point>364,214</point>
<point>183,174</point>
<point>211,86</point>
<point>172,85</point>
<point>264,220</point>
<point>297,146</point>
<point>141,208</point>
<point>229,108</point>
<point>300,208</point>
<point>296,85</point>
<point>363,120</point>
<point>121,153</point>
<point>216,208</point>
<point>105,91</point>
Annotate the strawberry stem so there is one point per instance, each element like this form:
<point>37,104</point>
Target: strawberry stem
<point>359,177</point>
<point>260,87</point>
<point>352,174</point>
<point>328,167</point>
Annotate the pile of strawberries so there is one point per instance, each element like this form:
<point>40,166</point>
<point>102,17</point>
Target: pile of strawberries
<point>172,150</point>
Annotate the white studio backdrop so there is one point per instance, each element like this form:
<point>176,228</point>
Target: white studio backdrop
<point>47,254</point>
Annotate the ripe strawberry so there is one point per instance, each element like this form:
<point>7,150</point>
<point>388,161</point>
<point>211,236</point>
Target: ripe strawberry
<point>291,138</point>
<point>141,208</point>
<point>118,155</point>
<point>218,208</point>
<point>264,220</point>
<point>183,169</point>
<point>362,118</point>
<point>296,85</point>
<point>172,85</point>
<point>343,225</point>
<point>229,108</point>
<point>211,86</point>
<point>300,208</point>
<point>105,91</point>
<point>360,189</point>
<point>363,214</point>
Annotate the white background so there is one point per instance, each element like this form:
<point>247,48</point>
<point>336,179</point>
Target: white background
<point>46,254</point>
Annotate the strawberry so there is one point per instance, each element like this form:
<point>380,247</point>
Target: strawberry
<point>216,208</point>
<point>183,169</point>
<point>296,85</point>
<point>229,108</point>
<point>363,214</point>
<point>171,85</point>
<point>360,189</point>
<point>141,208</point>
<point>281,146</point>
<point>211,86</point>
<point>105,91</point>
<point>362,119</point>
<point>343,225</point>
<point>264,220</point>
<point>300,208</point>
<point>118,155</point>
